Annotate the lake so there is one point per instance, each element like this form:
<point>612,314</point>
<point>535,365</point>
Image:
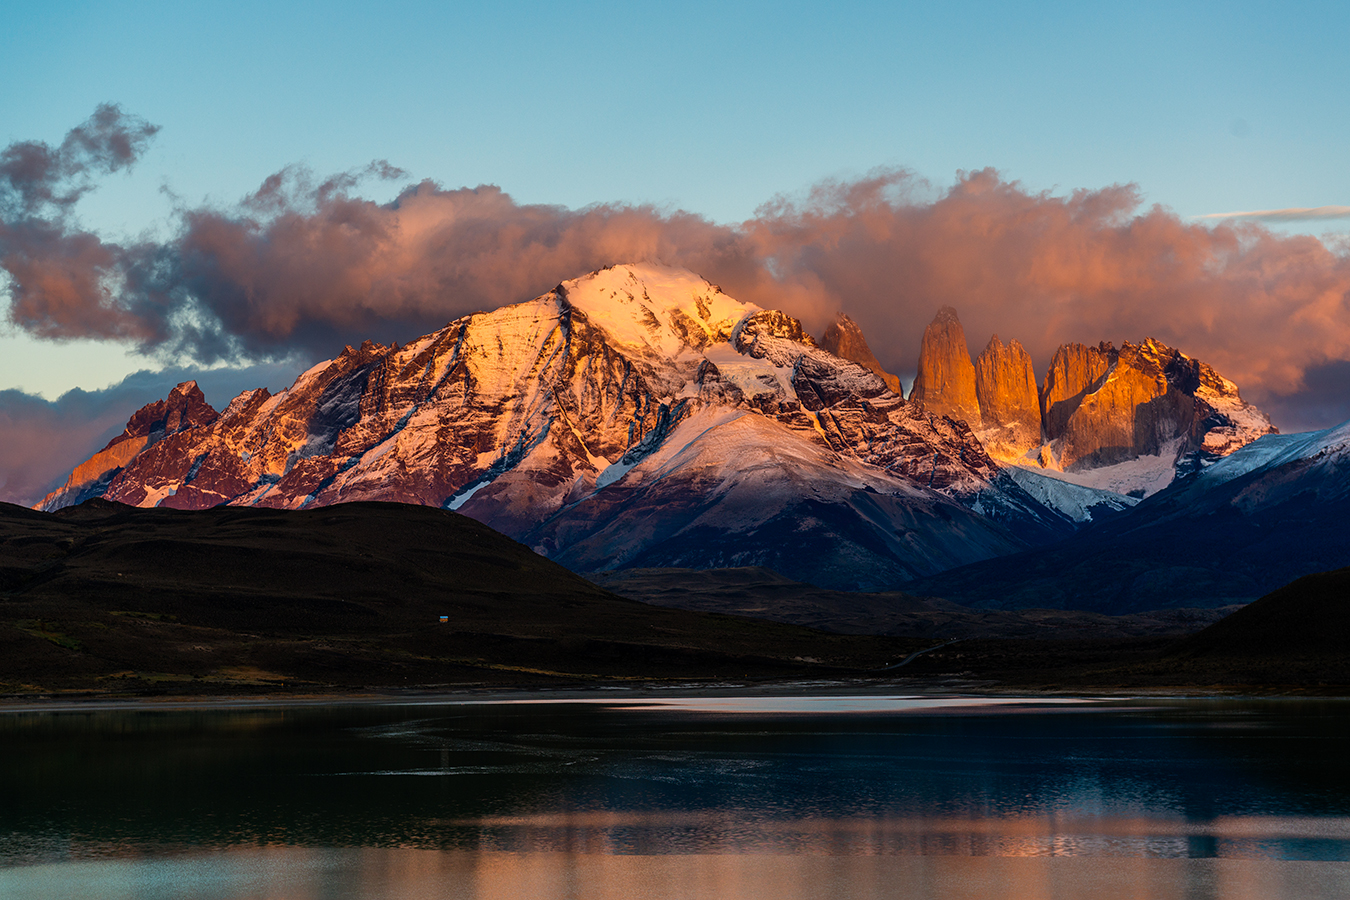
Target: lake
<point>669,797</point>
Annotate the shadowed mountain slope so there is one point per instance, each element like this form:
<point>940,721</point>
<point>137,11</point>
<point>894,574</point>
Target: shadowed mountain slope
<point>109,599</point>
<point>1269,513</point>
<point>102,595</point>
<point>1308,619</point>
<point>766,594</point>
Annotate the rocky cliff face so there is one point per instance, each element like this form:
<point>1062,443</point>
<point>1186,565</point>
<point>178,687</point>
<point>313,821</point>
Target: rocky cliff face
<point>632,415</point>
<point>845,340</point>
<point>1074,371</point>
<point>1151,400</point>
<point>1126,420</point>
<point>184,408</point>
<point>1005,386</point>
<point>945,381</point>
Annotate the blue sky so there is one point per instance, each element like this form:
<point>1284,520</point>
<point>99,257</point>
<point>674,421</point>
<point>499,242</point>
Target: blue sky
<point>712,109</point>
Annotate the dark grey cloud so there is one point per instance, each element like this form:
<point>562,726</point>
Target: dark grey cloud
<point>37,179</point>
<point>1321,400</point>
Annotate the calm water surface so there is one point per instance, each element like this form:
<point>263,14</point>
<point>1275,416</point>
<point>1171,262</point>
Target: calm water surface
<point>724,798</point>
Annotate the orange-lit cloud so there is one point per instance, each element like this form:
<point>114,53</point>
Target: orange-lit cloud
<point>304,267</point>
<point>1262,308</point>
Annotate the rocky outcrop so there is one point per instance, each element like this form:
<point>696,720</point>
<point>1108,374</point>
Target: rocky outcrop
<point>183,409</point>
<point>1130,412</point>
<point>1074,371</point>
<point>1151,400</point>
<point>1005,386</point>
<point>631,415</point>
<point>1097,407</point>
<point>845,339</point>
<point>945,381</point>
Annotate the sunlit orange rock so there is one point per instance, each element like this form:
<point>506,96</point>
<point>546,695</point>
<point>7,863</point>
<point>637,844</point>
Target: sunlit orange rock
<point>185,408</point>
<point>1149,400</point>
<point>945,383</point>
<point>1005,385</point>
<point>1073,372</point>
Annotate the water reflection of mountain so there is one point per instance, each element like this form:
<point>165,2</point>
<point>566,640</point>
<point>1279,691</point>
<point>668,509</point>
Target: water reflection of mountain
<point>1204,778</point>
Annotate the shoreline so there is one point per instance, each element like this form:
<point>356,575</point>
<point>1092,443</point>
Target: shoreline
<point>665,691</point>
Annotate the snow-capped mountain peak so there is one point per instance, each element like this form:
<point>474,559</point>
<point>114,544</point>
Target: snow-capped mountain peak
<point>645,306</point>
<point>639,393</point>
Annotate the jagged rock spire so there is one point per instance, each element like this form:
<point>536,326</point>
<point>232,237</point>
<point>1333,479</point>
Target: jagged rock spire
<point>845,339</point>
<point>1073,373</point>
<point>185,408</point>
<point>945,383</point>
<point>1005,385</point>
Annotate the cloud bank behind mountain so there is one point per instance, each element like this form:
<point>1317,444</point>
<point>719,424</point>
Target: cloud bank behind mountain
<point>306,264</point>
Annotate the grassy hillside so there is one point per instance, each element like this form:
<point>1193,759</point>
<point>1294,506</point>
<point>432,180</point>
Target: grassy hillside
<point>107,597</point>
<point>1295,639</point>
<point>114,600</point>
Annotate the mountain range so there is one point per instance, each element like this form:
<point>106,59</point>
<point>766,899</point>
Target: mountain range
<point>1129,421</point>
<point>1263,516</point>
<point>638,417</point>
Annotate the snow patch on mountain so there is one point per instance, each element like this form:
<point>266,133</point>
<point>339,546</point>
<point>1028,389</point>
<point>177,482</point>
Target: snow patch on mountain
<point>757,379</point>
<point>735,448</point>
<point>664,311</point>
<point>1076,501</point>
<point>1274,450</point>
<point>460,499</point>
<point>1140,477</point>
<point>1241,422</point>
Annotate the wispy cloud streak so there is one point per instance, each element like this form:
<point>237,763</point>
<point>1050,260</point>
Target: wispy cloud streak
<point>1292,214</point>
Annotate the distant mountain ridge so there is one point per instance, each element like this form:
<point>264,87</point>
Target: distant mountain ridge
<point>636,416</point>
<point>1270,512</point>
<point>185,407</point>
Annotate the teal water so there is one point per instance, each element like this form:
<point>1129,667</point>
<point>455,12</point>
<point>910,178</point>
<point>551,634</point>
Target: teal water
<point>726,798</point>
